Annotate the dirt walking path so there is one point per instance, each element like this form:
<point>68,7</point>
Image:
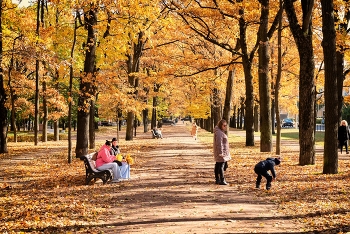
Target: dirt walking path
<point>174,192</point>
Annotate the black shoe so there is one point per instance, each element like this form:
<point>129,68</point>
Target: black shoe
<point>347,152</point>
<point>217,181</point>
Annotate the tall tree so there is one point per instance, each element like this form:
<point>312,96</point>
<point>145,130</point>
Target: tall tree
<point>86,82</point>
<point>3,96</point>
<point>342,29</point>
<point>303,38</point>
<point>330,157</point>
<point>264,83</point>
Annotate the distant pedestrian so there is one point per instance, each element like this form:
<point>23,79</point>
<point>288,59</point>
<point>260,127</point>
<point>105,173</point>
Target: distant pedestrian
<point>194,130</point>
<point>221,152</point>
<point>343,136</point>
<point>262,168</point>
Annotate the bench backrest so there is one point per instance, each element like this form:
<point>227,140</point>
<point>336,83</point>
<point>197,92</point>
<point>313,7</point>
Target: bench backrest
<point>89,163</point>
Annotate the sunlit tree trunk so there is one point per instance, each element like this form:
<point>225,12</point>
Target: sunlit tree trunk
<point>330,157</point>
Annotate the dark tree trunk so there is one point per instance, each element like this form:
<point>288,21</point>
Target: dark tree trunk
<point>13,95</point>
<point>256,118</point>
<point>343,30</point>
<point>3,97</point>
<point>46,113</point>
<point>36,101</point>
<point>216,106</point>
<point>247,67</point>
<point>86,85</point>
<point>330,158</point>
<point>264,82</point>
<point>278,83</point>
<point>154,106</point>
<point>145,120</point>
<point>228,98</point>
<point>234,117</point>
<point>303,38</point>
<point>92,125</point>
<point>133,65</point>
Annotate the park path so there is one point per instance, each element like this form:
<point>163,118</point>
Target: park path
<point>174,192</point>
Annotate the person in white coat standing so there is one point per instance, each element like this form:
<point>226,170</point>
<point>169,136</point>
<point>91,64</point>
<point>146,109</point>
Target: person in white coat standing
<point>221,152</point>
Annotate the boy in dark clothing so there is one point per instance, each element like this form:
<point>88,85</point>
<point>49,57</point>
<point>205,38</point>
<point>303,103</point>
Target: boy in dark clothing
<point>262,168</point>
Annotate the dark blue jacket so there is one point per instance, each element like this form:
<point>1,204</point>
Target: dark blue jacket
<point>267,165</point>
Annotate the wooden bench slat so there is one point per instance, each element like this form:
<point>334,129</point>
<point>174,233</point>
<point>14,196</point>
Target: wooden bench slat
<point>93,173</point>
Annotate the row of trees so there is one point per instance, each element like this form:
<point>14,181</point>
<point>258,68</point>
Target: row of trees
<point>207,59</point>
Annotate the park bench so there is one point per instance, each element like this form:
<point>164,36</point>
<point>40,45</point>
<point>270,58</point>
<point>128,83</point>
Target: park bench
<point>92,172</point>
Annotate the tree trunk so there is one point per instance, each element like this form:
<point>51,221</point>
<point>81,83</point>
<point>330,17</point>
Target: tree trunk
<point>45,111</point>
<point>92,125</point>
<point>133,65</point>
<point>247,67</point>
<point>86,86</point>
<point>216,106</point>
<point>228,98</point>
<point>303,38</point>
<point>129,127</point>
<point>145,120</point>
<point>343,29</point>
<point>330,158</point>
<point>13,97</point>
<point>156,88</point>
<point>3,97</point>
<point>264,83</point>
<point>256,118</point>
<point>278,83</point>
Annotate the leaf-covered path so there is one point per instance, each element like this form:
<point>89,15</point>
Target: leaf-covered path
<point>174,192</point>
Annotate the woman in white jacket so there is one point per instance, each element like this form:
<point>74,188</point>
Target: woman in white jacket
<point>221,151</point>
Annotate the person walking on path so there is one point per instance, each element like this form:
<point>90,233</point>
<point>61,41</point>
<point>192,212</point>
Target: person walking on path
<point>343,136</point>
<point>262,168</point>
<point>221,152</point>
<point>194,130</point>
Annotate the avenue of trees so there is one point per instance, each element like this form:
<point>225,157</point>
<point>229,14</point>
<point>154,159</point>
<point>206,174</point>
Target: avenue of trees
<point>245,61</point>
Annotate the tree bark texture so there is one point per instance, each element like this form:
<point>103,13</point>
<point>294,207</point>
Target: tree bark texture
<point>278,83</point>
<point>86,85</point>
<point>228,98</point>
<point>264,82</point>
<point>216,114</point>
<point>133,65</point>
<point>303,38</point>
<point>247,67</point>
<point>45,112</point>
<point>330,157</point>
